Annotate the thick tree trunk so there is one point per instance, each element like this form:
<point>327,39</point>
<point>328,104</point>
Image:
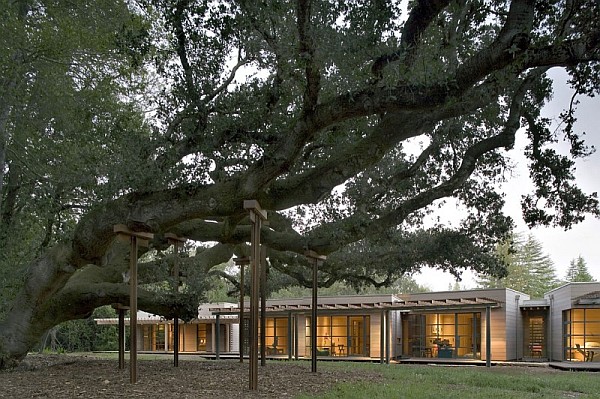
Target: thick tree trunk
<point>23,327</point>
<point>55,291</point>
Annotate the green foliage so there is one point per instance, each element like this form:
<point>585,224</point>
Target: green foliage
<point>403,285</point>
<point>84,335</point>
<point>72,130</point>
<point>529,270</point>
<point>578,271</point>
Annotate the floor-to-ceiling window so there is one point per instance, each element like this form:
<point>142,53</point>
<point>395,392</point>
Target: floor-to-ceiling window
<point>202,337</point>
<point>340,335</point>
<point>154,337</point>
<point>442,335</point>
<point>581,334</point>
<point>276,335</point>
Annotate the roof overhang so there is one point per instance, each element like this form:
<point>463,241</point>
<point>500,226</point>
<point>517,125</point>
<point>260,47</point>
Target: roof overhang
<point>402,306</point>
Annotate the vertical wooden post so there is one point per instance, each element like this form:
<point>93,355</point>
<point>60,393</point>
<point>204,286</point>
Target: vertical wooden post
<point>136,239</point>
<point>133,310</point>
<point>296,329</point>
<point>257,215</point>
<point>388,336</point>
<point>177,242</point>
<point>381,337</point>
<point>315,258</point>
<point>218,337</point>
<point>121,335</point>
<point>263,304</point>
<point>242,262</point>
<point>488,337</point>
<point>290,336</point>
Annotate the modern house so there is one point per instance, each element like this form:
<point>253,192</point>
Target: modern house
<point>563,326</point>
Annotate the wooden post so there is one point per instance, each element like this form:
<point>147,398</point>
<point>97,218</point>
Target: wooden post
<point>263,305</point>
<point>136,239</point>
<point>388,336</point>
<point>242,262</point>
<point>121,334</point>
<point>121,338</point>
<point>218,337</point>
<point>488,337</point>
<point>257,215</point>
<point>381,337</point>
<point>296,329</point>
<point>290,337</point>
<point>177,242</point>
<point>315,258</point>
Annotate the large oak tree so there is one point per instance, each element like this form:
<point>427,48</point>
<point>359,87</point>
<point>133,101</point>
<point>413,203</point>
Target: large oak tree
<point>350,122</point>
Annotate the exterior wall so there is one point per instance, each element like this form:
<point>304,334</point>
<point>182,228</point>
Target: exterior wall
<point>375,343</point>
<point>561,299</point>
<point>188,337</point>
<point>234,338</point>
<point>513,333</point>
<point>395,334</point>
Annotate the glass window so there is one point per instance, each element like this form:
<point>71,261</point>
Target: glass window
<point>444,335</point>
<point>202,337</point>
<point>582,335</point>
<point>276,335</point>
<point>340,336</point>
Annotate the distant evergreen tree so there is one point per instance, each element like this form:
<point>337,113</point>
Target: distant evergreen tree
<point>529,269</point>
<point>455,287</point>
<point>578,271</point>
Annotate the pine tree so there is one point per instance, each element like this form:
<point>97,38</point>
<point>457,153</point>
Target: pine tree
<point>529,269</point>
<point>578,271</point>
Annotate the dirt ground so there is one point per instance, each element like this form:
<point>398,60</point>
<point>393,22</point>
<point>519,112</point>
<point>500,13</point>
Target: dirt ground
<point>62,376</point>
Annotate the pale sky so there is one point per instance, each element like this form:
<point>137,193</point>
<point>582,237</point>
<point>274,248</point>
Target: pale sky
<point>562,246</point>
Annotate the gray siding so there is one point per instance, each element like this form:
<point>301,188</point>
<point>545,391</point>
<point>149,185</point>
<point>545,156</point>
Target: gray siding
<point>561,299</point>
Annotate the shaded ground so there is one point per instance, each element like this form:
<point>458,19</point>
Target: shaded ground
<point>62,376</point>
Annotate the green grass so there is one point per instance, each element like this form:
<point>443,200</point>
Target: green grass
<point>410,381</point>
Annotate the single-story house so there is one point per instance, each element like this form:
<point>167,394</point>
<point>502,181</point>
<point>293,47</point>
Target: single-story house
<point>563,326</point>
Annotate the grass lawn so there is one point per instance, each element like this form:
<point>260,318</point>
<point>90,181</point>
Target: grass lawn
<point>416,381</point>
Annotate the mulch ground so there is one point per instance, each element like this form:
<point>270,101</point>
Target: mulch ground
<point>62,376</point>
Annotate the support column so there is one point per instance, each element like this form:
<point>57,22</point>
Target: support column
<point>263,304</point>
<point>296,328</point>
<point>488,337</point>
<point>177,243</point>
<point>212,338</point>
<point>290,337</point>
<point>381,337</point>
<point>314,258</point>
<point>218,337</point>
<point>136,239</point>
<point>257,215</point>
<point>121,335</point>
<point>241,262</point>
<point>387,336</point>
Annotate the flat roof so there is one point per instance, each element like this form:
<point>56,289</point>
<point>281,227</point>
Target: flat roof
<point>402,305</point>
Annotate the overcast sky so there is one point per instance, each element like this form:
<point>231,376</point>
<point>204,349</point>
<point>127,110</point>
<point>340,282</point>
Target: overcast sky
<point>562,246</point>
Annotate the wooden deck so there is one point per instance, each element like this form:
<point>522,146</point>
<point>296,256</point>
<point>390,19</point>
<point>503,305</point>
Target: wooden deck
<point>575,366</point>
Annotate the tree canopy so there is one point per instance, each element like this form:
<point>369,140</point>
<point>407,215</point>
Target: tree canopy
<point>349,122</point>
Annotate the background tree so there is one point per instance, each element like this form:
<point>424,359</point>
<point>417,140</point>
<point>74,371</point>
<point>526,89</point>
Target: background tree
<point>529,270</point>
<point>348,121</point>
<point>578,271</point>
